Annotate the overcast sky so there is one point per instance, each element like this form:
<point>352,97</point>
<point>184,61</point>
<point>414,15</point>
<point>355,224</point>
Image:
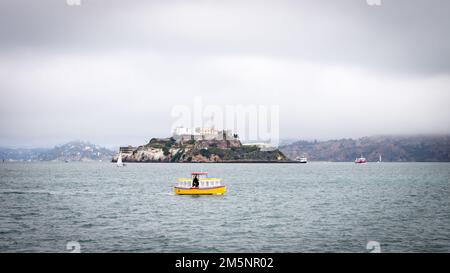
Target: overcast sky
<point>110,71</point>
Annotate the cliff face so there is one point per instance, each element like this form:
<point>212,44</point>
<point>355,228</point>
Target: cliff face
<point>391,148</point>
<point>170,150</point>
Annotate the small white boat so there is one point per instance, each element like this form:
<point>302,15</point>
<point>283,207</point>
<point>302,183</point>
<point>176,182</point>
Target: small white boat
<point>360,160</point>
<point>119,161</point>
<point>302,159</point>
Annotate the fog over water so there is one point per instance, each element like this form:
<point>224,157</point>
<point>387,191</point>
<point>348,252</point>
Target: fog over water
<point>112,71</point>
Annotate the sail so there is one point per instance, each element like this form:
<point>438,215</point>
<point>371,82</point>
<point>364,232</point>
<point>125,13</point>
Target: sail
<point>119,160</point>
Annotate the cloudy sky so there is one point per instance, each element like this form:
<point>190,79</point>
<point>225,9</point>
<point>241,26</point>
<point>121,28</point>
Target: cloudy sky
<point>111,71</point>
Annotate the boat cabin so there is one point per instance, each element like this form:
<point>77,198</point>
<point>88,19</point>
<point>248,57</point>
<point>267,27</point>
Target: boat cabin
<point>203,181</point>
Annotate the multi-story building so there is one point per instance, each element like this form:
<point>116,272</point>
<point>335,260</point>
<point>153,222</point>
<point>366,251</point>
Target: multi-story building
<point>202,133</point>
<point>127,150</point>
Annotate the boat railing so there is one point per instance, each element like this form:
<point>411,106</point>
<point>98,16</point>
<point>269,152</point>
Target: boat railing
<point>203,182</point>
<point>201,179</point>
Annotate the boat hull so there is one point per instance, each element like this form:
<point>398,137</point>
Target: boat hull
<point>200,191</point>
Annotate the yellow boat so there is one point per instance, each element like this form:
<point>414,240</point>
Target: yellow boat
<point>205,186</point>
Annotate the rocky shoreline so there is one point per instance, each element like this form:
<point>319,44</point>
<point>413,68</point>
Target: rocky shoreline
<point>114,160</point>
<point>169,150</point>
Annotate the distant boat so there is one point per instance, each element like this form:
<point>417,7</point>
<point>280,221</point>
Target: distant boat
<point>119,161</point>
<point>360,160</point>
<point>379,159</point>
<point>302,159</point>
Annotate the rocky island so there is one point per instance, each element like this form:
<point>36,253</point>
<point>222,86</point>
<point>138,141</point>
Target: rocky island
<point>200,151</point>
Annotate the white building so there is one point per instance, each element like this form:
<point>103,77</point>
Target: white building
<point>179,131</point>
<point>262,145</point>
<point>201,133</point>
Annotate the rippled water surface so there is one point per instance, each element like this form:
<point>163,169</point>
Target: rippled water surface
<point>315,207</point>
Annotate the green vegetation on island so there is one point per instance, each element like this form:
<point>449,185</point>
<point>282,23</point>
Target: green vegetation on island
<point>192,151</point>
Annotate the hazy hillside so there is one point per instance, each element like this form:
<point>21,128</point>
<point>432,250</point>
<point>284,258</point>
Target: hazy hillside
<point>21,154</point>
<point>72,151</point>
<point>392,148</point>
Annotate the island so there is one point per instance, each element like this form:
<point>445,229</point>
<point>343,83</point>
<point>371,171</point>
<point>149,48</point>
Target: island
<point>213,147</point>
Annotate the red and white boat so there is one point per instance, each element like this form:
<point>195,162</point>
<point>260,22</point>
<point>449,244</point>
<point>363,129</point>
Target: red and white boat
<point>360,160</point>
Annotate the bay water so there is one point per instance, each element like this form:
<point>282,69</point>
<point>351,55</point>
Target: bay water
<point>314,207</point>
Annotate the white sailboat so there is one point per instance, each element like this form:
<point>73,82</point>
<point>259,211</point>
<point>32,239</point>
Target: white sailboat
<point>119,161</point>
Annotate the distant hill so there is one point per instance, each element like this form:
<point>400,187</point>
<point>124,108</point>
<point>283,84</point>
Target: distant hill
<point>392,148</point>
<point>77,151</point>
<point>21,154</point>
<point>72,151</point>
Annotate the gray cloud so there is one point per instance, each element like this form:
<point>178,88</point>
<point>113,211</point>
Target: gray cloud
<point>110,71</point>
<point>401,35</point>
